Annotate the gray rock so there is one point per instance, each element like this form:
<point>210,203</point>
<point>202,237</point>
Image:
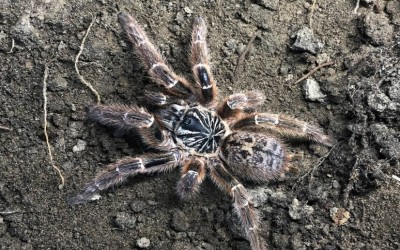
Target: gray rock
<point>259,196</point>
<point>125,221</point>
<point>388,139</point>
<point>377,27</point>
<point>80,146</point>
<point>298,211</point>
<point>180,221</point>
<point>143,242</point>
<point>312,91</point>
<point>259,16</point>
<point>137,205</point>
<point>269,4</point>
<point>305,41</point>
<point>58,84</point>
<point>24,32</point>
<point>380,102</point>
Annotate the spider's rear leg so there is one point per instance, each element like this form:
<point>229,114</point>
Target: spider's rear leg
<point>236,104</point>
<point>200,62</point>
<point>244,208</point>
<point>286,126</point>
<point>153,61</point>
<point>133,118</point>
<point>193,174</point>
<point>119,171</point>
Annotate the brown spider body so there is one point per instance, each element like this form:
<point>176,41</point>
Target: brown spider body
<point>263,156</point>
<point>190,129</point>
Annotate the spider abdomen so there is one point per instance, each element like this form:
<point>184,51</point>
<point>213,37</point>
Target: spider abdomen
<point>256,156</point>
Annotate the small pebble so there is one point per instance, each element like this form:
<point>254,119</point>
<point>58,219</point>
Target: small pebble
<point>125,220</point>
<point>80,146</point>
<point>312,91</point>
<point>143,242</point>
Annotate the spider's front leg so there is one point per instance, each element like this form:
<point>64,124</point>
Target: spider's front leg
<point>237,104</point>
<point>286,126</point>
<point>131,118</point>
<point>119,171</point>
<point>244,208</point>
<point>200,62</point>
<point>153,61</point>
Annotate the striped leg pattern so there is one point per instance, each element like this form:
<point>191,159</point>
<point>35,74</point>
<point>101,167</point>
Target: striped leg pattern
<point>153,61</point>
<point>131,118</point>
<point>192,175</point>
<point>119,171</point>
<point>244,208</point>
<point>200,62</point>
<point>236,104</point>
<point>286,126</point>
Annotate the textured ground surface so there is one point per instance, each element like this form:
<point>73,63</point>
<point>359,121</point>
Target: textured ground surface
<point>359,105</point>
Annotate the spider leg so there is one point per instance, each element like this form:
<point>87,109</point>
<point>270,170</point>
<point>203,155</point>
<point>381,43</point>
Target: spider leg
<point>244,208</point>
<point>153,61</point>
<point>236,104</point>
<point>200,62</point>
<point>131,118</point>
<point>286,126</point>
<point>156,99</point>
<point>193,174</point>
<point>119,171</point>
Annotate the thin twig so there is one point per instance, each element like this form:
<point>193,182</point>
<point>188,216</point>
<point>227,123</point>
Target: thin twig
<point>357,6</point>
<point>312,12</point>
<point>12,46</point>
<point>312,170</point>
<point>313,71</point>
<point>5,129</point>
<point>46,74</point>
<point>77,59</point>
<point>10,212</point>
<point>396,177</point>
<point>238,68</point>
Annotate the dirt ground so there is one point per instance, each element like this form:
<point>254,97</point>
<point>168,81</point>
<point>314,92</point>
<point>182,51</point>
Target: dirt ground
<point>346,197</point>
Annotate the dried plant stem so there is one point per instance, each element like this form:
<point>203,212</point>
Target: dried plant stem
<point>12,46</point>
<point>313,71</point>
<point>46,74</point>
<point>77,59</point>
<point>4,129</point>
<point>238,68</point>
<point>312,13</point>
<point>357,6</point>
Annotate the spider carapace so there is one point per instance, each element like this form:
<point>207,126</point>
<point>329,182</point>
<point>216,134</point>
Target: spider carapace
<point>195,128</point>
<point>190,127</point>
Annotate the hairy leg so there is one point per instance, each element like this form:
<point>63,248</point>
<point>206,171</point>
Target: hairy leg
<point>131,118</point>
<point>237,104</point>
<point>286,126</point>
<point>244,208</point>
<point>192,175</point>
<point>119,171</point>
<point>153,61</point>
<point>200,62</point>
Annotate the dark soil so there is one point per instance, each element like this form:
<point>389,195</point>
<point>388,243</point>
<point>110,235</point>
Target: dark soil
<point>346,197</point>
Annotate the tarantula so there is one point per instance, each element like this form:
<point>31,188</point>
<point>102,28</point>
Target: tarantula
<point>189,128</point>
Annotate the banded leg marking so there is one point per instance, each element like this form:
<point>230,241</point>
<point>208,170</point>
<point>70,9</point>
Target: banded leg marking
<point>128,119</point>
<point>152,59</point>
<point>286,126</point>
<point>200,61</point>
<point>119,171</point>
<point>193,174</point>
<point>238,103</point>
<point>244,208</point>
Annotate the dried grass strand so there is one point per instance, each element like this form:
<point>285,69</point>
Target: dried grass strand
<point>81,47</point>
